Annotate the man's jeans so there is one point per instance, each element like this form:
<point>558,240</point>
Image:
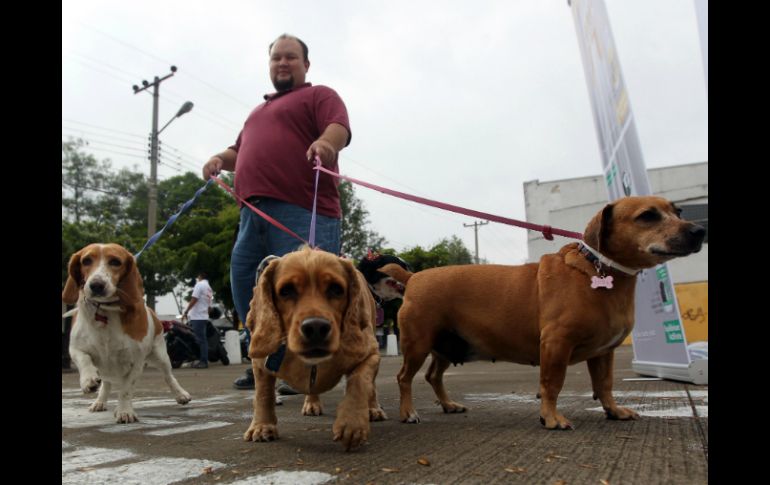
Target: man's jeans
<point>199,329</point>
<point>257,239</point>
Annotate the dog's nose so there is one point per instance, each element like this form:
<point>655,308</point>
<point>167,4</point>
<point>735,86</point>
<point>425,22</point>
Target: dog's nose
<point>315,330</point>
<point>97,287</point>
<point>697,235</point>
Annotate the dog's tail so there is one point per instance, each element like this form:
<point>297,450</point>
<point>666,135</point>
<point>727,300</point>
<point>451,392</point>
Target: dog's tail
<point>396,272</point>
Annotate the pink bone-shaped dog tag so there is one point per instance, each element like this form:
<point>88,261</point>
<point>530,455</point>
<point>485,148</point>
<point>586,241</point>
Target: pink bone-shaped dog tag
<point>604,282</point>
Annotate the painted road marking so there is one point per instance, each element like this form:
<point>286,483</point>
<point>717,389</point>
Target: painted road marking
<point>492,396</point>
<point>155,470</point>
<point>89,456</point>
<point>188,429</point>
<point>287,478</point>
<point>672,404</point>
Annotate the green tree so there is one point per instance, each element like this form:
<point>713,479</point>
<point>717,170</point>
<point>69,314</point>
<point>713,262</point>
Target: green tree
<point>356,238</point>
<point>448,251</point>
<point>199,240</point>
<point>82,177</point>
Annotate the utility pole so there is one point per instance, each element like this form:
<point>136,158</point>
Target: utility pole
<point>475,226</point>
<point>152,205</point>
<point>153,192</point>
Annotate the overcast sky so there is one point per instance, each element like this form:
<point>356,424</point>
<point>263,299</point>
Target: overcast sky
<point>457,101</point>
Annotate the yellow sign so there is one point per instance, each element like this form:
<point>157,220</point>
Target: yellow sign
<point>693,299</point>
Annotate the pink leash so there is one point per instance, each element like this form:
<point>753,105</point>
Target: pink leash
<point>547,231</point>
<point>315,199</point>
<point>267,217</point>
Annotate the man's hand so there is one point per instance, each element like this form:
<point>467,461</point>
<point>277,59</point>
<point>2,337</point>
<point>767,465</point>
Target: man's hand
<point>212,167</point>
<point>334,138</point>
<point>323,149</point>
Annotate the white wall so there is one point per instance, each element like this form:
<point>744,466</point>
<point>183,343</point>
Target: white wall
<point>570,203</point>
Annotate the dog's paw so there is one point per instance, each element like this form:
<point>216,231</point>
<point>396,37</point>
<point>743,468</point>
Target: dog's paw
<point>90,384</point>
<point>453,407</point>
<point>557,421</point>
<point>622,414</point>
<point>351,432</point>
<point>261,432</point>
<point>312,409</point>
<point>183,397</point>
<point>126,416</point>
<point>377,414</point>
<point>97,406</point>
<point>410,417</point>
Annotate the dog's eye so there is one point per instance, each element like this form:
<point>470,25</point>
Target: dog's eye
<point>649,216</point>
<point>114,262</point>
<point>287,291</point>
<point>335,290</point>
<point>86,262</point>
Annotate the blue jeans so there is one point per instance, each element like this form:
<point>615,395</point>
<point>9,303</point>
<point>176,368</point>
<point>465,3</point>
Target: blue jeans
<point>199,329</point>
<point>257,239</point>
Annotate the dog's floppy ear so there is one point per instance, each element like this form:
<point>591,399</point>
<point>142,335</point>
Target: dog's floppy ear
<point>130,286</point>
<point>598,230</point>
<point>74,280</point>
<point>263,319</point>
<point>356,313</point>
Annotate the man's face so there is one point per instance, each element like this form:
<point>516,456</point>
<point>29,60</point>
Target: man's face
<point>287,65</point>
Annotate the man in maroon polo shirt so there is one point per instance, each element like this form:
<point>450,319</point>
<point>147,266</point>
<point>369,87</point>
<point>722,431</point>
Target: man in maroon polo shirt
<point>273,159</point>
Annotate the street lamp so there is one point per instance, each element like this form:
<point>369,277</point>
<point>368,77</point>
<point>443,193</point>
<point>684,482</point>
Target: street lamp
<point>153,192</point>
<point>152,209</point>
<point>186,108</point>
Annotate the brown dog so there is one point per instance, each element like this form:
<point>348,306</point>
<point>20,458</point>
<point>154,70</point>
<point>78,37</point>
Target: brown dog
<point>313,317</point>
<point>555,313</point>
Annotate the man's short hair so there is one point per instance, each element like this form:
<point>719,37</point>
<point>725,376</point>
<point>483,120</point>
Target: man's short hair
<point>202,275</point>
<point>289,36</point>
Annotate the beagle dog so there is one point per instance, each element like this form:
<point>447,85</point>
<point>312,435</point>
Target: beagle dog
<point>384,287</point>
<point>113,332</point>
<point>312,319</point>
<point>575,305</point>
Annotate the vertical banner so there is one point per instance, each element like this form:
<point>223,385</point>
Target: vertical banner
<point>702,12</point>
<point>660,346</point>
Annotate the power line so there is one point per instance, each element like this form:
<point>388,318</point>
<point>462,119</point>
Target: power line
<point>74,132</point>
<point>103,128</point>
<point>207,114</point>
<point>95,189</point>
<point>209,85</point>
<point>180,151</point>
<point>84,63</point>
<point>130,155</point>
<point>115,145</point>
<point>97,61</point>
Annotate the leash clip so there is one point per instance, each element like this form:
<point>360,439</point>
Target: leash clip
<point>599,268</point>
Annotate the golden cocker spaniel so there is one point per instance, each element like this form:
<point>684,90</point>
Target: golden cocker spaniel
<point>312,320</point>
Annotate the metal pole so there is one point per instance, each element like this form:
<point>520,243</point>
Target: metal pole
<point>476,235</point>
<point>153,195</point>
<point>153,192</point>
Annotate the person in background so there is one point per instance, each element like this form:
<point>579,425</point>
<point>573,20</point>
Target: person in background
<point>197,312</point>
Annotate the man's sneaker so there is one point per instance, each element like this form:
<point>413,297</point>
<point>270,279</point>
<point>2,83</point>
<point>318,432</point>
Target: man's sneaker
<point>200,365</point>
<point>285,390</point>
<point>246,382</point>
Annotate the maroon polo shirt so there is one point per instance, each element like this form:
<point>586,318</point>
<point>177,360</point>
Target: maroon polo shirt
<point>272,145</point>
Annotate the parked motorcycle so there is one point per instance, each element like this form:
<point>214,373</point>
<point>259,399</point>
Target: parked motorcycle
<point>182,346</point>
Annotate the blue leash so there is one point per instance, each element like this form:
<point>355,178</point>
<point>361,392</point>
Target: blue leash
<point>173,218</point>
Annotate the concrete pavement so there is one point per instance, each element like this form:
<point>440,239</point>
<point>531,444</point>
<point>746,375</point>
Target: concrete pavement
<point>499,440</point>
